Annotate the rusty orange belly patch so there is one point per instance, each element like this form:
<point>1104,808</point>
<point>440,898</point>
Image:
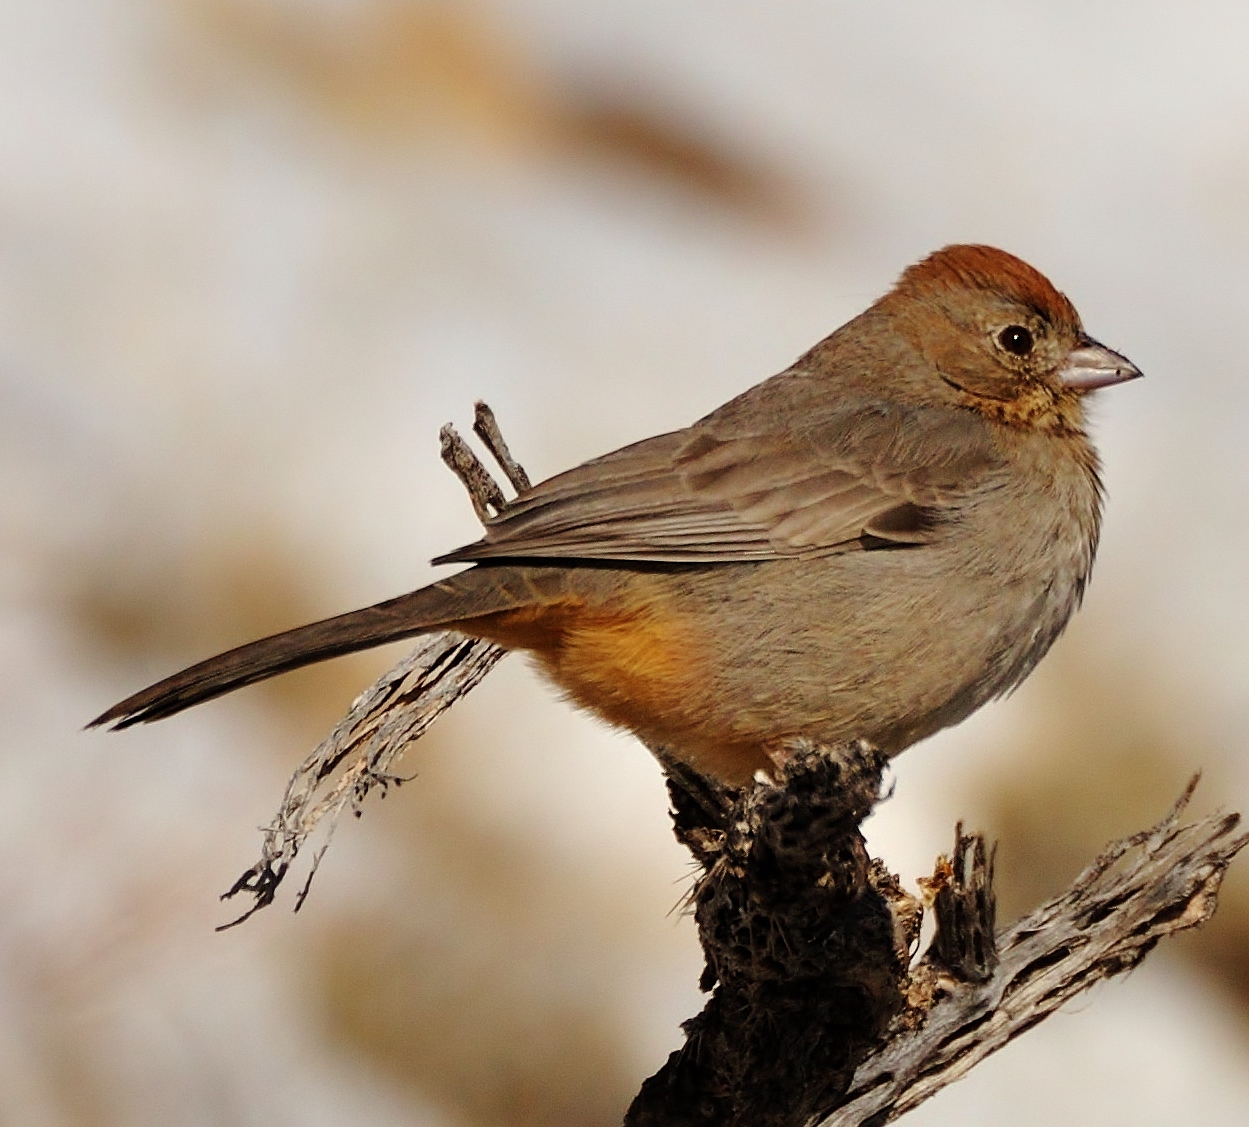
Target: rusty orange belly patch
<point>642,668</point>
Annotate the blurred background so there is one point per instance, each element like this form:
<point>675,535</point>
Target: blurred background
<point>253,253</point>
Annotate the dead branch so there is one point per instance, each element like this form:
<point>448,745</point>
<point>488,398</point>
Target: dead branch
<point>1155,883</point>
<point>486,427</point>
<point>801,939</point>
<point>483,490</point>
<point>965,906</point>
<point>361,753</point>
<point>814,1015</point>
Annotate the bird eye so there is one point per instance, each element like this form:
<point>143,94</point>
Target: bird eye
<point>1015,339</point>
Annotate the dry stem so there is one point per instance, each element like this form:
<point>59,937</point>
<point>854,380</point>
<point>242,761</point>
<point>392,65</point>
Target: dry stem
<point>362,751</point>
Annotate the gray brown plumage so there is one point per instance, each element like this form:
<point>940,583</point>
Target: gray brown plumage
<point>870,544</point>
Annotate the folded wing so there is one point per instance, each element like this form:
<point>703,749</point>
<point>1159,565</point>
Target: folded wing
<point>869,476</point>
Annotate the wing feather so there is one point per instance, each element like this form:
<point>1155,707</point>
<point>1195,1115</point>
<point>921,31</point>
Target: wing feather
<point>867,476</point>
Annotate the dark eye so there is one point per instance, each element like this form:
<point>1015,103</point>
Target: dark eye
<point>1016,339</point>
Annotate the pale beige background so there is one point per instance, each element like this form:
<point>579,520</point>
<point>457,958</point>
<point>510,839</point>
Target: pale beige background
<point>254,252</point>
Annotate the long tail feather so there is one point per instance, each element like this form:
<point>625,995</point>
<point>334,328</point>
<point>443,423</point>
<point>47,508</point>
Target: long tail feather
<point>420,612</point>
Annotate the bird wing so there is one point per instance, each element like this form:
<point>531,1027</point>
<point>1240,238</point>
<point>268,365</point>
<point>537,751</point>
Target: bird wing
<point>869,475</point>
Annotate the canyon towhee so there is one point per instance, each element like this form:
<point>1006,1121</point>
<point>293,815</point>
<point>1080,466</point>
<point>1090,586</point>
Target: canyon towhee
<point>871,544</point>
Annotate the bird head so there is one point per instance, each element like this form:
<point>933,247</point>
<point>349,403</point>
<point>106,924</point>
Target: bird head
<point>997,336</point>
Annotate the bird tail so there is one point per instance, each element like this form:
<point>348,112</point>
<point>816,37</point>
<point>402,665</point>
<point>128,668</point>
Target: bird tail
<point>436,607</point>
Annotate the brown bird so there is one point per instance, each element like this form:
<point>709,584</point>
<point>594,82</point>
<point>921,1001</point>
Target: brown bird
<point>872,544</point>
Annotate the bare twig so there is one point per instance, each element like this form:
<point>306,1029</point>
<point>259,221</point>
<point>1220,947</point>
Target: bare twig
<point>790,918</point>
<point>362,751</point>
<point>486,427</point>
<point>1157,882</point>
<point>483,490</point>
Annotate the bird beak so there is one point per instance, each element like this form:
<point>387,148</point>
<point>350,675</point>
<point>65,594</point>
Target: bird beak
<point>1091,365</point>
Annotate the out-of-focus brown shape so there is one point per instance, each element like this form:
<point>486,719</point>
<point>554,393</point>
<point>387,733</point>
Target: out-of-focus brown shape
<point>182,602</point>
<point>464,991</point>
<point>392,70</point>
<point>1109,747</point>
<point>1222,949</point>
<point>400,72</point>
<point>659,146</point>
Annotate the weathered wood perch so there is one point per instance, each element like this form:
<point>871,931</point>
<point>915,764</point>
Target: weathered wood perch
<point>804,949</point>
<point>817,1014</point>
<point>818,1019</point>
<point>1154,883</point>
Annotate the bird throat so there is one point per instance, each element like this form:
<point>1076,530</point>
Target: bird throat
<point>1034,407</point>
